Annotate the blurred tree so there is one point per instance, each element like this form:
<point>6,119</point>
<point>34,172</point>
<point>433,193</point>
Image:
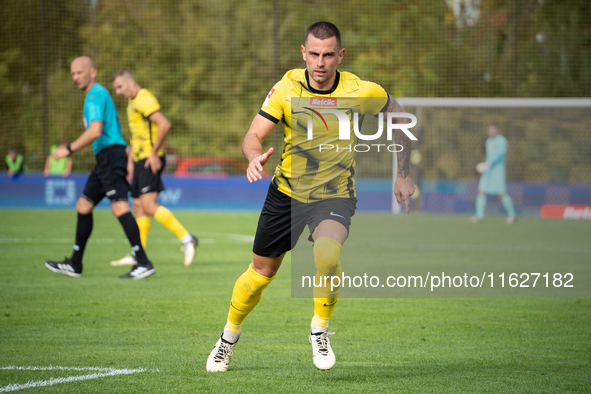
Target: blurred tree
<point>212,63</point>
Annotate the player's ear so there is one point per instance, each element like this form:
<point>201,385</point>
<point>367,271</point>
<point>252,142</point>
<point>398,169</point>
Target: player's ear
<point>303,52</point>
<point>341,54</point>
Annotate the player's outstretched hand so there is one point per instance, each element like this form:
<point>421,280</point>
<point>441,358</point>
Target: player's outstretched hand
<point>255,167</point>
<point>403,190</point>
<point>153,161</point>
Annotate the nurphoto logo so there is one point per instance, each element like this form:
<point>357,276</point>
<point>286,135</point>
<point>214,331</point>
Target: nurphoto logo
<point>345,127</point>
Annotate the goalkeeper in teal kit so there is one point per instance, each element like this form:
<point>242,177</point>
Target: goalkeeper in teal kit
<point>492,180</point>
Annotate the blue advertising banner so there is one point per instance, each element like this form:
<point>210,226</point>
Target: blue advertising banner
<point>228,193</point>
<point>209,193</point>
<point>236,193</point>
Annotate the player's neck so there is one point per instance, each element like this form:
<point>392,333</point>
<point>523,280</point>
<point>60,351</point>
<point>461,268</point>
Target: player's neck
<point>89,87</point>
<point>325,88</point>
<point>135,92</point>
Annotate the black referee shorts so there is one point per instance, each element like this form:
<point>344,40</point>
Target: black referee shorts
<point>144,180</point>
<point>107,178</point>
<point>283,220</point>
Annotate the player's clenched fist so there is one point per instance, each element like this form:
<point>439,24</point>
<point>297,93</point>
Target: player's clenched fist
<point>130,169</point>
<point>255,167</point>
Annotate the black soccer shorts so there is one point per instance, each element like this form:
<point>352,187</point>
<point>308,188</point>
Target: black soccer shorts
<point>107,178</point>
<point>283,220</point>
<point>144,180</point>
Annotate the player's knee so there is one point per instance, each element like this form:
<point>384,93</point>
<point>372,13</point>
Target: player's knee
<point>146,206</point>
<point>149,205</point>
<point>150,209</point>
<point>326,255</point>
<point>266,266</point>
<point>137,207</point>
<point>119,208</point>
<point>83,206</point>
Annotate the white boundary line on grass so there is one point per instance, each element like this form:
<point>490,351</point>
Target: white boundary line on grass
<point>103,372</point>
<point>238,238</point>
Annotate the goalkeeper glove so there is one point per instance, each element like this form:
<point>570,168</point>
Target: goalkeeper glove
<point>482,167</point>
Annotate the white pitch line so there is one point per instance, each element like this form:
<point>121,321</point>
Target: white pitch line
<point>238,238</point>
<point>233,237</point>
<point>30,228</point>
<point>58,368</point>
<point>35,240</point>
<point>67,379</point>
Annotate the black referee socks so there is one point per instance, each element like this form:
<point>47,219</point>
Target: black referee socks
<point>132,232</point>
<point>83,230</point>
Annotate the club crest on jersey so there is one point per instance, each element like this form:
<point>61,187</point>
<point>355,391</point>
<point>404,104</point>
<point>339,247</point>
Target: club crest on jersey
<point>268,97</point>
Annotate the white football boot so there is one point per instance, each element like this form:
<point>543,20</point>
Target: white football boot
<point>189,250</point>
<point>322,353</point>
<point>127,260</point>
<point>220,356</point>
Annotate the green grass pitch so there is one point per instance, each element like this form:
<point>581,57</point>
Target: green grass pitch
<point>165,326</point>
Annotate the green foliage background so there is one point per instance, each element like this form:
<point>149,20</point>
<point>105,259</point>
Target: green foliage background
<point>212,63</point>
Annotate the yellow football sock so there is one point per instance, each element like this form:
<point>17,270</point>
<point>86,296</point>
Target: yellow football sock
<point>246,295</point>
<point>317,320</point>
<point>144,225</point>
<point>326,258</point>
<point>168,220</point>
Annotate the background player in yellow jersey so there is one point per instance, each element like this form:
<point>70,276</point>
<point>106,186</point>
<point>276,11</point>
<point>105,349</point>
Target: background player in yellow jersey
<point>146,162</point>
<point>323,198</point>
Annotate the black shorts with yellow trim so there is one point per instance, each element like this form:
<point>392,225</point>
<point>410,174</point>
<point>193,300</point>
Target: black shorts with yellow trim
<point>144,180</point>
<point>283,220</point>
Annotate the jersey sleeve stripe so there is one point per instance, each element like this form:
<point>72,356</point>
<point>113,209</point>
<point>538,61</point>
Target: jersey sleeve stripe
<point>147,116</point>
<point>268,116</point>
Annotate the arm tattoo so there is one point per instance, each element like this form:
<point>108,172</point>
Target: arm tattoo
<point>401,139</point>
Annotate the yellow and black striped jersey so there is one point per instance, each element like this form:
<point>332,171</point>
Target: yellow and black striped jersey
<point>143,132</point>
<point>306,172</point>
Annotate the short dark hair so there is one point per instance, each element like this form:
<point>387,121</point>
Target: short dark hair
<point>122,72</point>
<point>324,30</point>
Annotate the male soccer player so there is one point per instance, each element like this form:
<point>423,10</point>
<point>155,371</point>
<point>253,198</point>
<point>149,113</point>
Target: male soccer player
<point>492,180</point>
<point>146,162</point>
<point>107,178</point>
<point>305,189</point>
